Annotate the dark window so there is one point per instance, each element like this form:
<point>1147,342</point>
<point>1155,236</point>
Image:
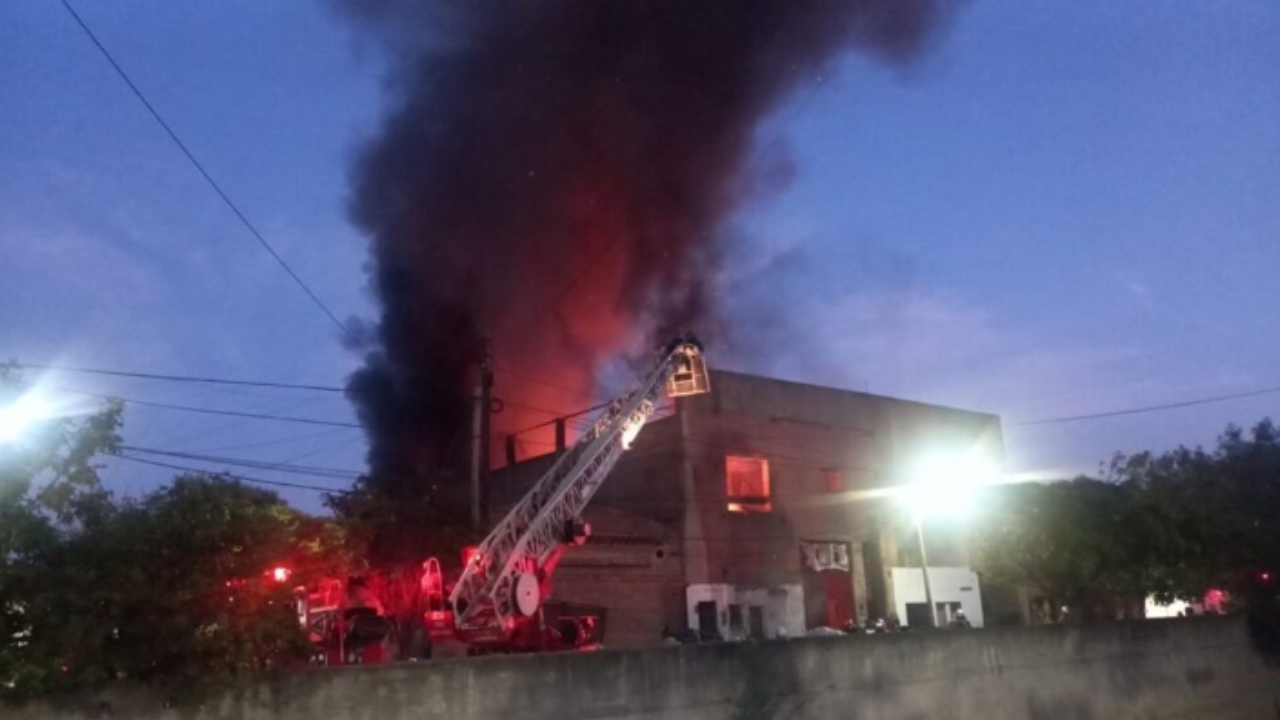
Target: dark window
<point>708,629</point>
<point>756,616</point>
<point>747,484</point>
<point>735,617</point>
<point>918,616</point>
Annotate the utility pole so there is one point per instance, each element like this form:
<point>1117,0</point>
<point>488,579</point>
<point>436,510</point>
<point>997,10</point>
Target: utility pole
<point>924,567</point>
<point>480,439</point>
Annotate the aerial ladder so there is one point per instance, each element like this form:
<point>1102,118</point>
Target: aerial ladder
<point>495,603</point>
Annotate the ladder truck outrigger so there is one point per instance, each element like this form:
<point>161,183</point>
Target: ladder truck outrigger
<point>495,605</point>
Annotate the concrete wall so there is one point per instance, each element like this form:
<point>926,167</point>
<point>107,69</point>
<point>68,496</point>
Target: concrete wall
<point>1186,669</point>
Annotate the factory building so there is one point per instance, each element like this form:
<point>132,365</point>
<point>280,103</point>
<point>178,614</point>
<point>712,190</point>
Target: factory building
<point>768,508</point>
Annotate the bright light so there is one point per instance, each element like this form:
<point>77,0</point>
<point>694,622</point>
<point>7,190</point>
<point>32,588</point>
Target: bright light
<point>280,574</point>
<point>946,485</point>
<point>20,416</point>
<point>629,433</point>
<point>470,554</point>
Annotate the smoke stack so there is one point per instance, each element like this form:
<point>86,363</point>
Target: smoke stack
<point>553,174</point>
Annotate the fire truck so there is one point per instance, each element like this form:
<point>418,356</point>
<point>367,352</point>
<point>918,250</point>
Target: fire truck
<point>500,599</point>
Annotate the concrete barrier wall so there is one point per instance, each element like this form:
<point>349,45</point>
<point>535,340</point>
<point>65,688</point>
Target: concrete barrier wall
<point>1180,669</point>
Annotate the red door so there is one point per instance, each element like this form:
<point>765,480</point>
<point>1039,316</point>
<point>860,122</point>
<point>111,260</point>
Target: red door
<point>828,594</point>
<point>839,596</point>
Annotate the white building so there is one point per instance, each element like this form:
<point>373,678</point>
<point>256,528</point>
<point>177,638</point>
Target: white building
<point>954,588</point>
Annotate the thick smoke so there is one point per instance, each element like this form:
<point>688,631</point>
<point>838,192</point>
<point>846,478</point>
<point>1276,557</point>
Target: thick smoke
<point>552,175</point>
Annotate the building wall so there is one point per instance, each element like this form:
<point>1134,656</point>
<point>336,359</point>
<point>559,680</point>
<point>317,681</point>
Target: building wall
<point>631,566</point>
<point>782,609</point>
<point>948,585</point>
<point>1187,669</point>
<point>802,430</point>
<point>674,479</point>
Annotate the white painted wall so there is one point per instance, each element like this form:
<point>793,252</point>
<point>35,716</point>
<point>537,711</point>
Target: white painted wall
<point>780,611</point>
<point>1155,610</point>
<point>783,607</point>
<point>1213,603</point>
<point>949,584</point>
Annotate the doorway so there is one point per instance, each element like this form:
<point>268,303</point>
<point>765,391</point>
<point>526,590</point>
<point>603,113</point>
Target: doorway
<point>755,619</point>
<point>918,614</point>
<point>708,622</point>
<point>828,593</point>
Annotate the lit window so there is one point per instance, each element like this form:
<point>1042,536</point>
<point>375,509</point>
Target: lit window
<point>833,480</point>
<point>747,484</point>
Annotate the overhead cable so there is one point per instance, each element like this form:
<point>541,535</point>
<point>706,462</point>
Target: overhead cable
<point>233,476</point>
<point>205,173</point>
<point>1146,409</point>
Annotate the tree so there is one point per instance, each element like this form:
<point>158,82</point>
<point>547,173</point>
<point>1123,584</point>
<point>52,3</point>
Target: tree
<point>49,487</point>
<point>399,524</point>
<point>172,590</point>
<point>1173,525</point>
<point>1083,542</point>
<point>1223,507</point>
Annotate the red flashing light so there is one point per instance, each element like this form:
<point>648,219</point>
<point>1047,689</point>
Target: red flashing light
<point>470,553</point>
<point>1265,577</point>
<point>280,574</point>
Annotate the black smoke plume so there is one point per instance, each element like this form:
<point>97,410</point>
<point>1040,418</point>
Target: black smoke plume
<point>551,174</point>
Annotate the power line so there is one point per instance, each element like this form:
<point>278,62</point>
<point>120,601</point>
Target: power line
<point>181,378</point>
<point>531,408</point>
<point>212,411</point>
<point>606,250</point>
<point>316,471</point>
<point>1146,409</point>
<point>233,476</point>
<point>566,416</point>
<point>273,442</point>
<point>262,384</point>
<point>204,173</point>
<point>293,458</point>
<point>545,380</point>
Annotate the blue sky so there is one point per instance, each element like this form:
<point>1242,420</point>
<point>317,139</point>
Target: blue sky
<point>1064,208</point>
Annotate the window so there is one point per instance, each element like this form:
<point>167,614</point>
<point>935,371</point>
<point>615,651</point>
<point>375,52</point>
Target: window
<point>833,480</point>
<point>747,484</point>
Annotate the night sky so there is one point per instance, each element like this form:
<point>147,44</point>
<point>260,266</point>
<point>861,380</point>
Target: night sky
<point>1062,208</point>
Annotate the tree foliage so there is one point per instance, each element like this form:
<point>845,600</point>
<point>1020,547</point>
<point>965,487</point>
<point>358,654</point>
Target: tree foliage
<point>169,590</point>
<point>1173,525</point>
<point>1081,542</point>
<point>1221,508</point>
<point>399,523</point>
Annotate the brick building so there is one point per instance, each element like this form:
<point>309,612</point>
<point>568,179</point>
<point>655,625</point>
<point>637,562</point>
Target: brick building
<point>758,509</point>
